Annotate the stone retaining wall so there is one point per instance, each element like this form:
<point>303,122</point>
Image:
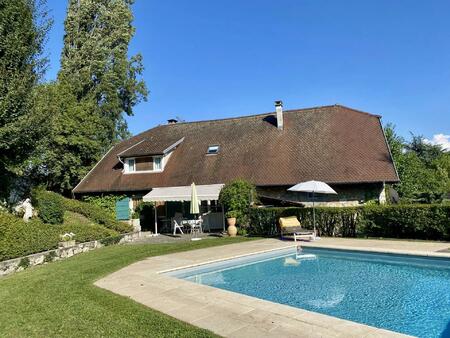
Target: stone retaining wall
<point>18,264</point>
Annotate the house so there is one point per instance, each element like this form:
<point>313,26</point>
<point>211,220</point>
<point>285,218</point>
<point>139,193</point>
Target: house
<point>343,147</point>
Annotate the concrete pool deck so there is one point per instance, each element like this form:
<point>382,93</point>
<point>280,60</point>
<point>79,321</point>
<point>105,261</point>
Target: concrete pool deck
<point>231,314</point>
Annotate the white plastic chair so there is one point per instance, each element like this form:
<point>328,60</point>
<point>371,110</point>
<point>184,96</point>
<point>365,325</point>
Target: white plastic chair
<point>176,220</point>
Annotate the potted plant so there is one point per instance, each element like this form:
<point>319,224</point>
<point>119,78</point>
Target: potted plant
<point>231,220</point>
<point>67,240</point>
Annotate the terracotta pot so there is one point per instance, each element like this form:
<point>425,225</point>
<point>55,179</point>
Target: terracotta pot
<point>231,221</point>
<point>232,231</point>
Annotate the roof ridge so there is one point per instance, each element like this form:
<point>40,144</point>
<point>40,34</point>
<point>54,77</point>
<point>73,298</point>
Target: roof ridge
<point>255,115</point>
<point>246,116</point>
<point>357,110</point>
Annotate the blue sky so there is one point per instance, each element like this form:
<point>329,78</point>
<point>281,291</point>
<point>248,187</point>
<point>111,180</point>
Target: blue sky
<point>214,59</point>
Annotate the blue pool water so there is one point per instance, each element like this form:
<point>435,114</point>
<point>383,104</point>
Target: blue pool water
<point>406,294</point>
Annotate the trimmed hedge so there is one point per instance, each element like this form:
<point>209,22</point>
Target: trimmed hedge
<point>93,212</point>
<point>106,202</point>
<point>407,221</point>
<point>50,206</point>
<point>96,214</point>
<point>18,238</point>
<point>397,221</point>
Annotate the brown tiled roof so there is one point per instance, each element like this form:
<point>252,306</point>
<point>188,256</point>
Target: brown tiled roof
<point>150,146</point>
<point>334,144</point>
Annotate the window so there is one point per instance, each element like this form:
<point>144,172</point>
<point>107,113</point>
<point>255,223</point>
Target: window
<point>157,163</point>
<point>130,165</point>
<point>213,149</point>
<point>145,164</point>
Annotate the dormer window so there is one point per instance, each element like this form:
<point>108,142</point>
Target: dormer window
<point>212,150</point>
<point>144,164</point>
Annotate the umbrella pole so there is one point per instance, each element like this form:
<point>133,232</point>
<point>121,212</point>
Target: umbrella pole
<point>314,216</point>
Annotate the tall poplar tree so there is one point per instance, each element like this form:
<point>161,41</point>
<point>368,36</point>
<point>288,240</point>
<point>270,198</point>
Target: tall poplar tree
<point>95,62</point>
<point>23,28</point>
<point>97,85</point>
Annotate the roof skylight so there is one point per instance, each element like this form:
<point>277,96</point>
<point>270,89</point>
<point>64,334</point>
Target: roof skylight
<point>213,149</point>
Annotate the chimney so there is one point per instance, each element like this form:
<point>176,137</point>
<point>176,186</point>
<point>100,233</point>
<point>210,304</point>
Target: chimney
<point>279,110</point>
<point>172,121</point>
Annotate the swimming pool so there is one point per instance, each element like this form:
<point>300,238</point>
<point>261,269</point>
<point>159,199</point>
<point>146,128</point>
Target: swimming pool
<point>407,294</point>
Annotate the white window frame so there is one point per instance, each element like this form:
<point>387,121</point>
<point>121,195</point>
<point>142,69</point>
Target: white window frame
<point>160,158</point>
<point>127,165</point>
<point>214,146</point>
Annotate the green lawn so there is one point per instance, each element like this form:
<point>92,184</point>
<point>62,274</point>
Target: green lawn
<point>59,299</point>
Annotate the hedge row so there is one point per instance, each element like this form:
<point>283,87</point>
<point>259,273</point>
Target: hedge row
<point>399,221</point>
<point>18,238</point>
<point>91,211</point>
<point>51,209</point>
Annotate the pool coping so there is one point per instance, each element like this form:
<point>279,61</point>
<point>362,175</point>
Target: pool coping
<point>223,312</point>
<point>420,253</point>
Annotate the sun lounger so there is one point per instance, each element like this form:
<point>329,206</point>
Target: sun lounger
<point>291,226</point>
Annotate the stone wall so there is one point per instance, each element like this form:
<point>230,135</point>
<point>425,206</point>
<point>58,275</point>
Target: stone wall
<point>21,263</point>
<point>348,195</point>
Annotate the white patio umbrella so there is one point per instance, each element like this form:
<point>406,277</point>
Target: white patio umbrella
<point>314,187</point>
<point>194,209</point>
<point>194,200</point>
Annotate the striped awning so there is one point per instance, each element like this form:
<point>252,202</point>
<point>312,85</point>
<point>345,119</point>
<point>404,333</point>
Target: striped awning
<point>207,192</point>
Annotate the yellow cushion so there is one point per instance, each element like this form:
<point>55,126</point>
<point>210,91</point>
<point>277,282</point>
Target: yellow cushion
<point>291,221</point>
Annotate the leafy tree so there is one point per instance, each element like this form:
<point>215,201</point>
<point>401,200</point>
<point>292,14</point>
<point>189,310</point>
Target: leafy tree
<point>95,64</point>
<point>97,84</point>
<point>423,168</point>
<point>426,152</point>
<point>71,143</point>
<point>23,28</point>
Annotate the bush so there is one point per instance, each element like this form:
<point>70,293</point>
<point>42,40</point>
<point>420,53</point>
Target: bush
<point>106,202</point>
<point>96,214</point>
<point>237,196</point>
<point>93,212</point>
<point>329,221</point>
<point>49,205</point>
<point>407,221</point>
<point>399,221</point>
<point>111,240</point>
<point>87,233</point>
<point>18,238</point>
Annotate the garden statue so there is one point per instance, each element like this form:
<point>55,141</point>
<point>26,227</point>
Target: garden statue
<point>26,208</point>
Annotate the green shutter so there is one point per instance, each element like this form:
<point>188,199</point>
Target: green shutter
<point>123,209</point>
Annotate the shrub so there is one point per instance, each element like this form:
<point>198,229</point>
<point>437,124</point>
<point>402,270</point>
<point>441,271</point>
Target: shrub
<point>96,214</point>
<point>237,196</point>
<point>93,212</point>
<point>407,221</point>
<point>18,238</point>
<point>106,202</point>
<point>50,206</point>
<point>231,214</point>
<point>87,233</point>
<point>398,221</point>
<point>111,240</point>
<point>24,263</point>
<point>50,257</point>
